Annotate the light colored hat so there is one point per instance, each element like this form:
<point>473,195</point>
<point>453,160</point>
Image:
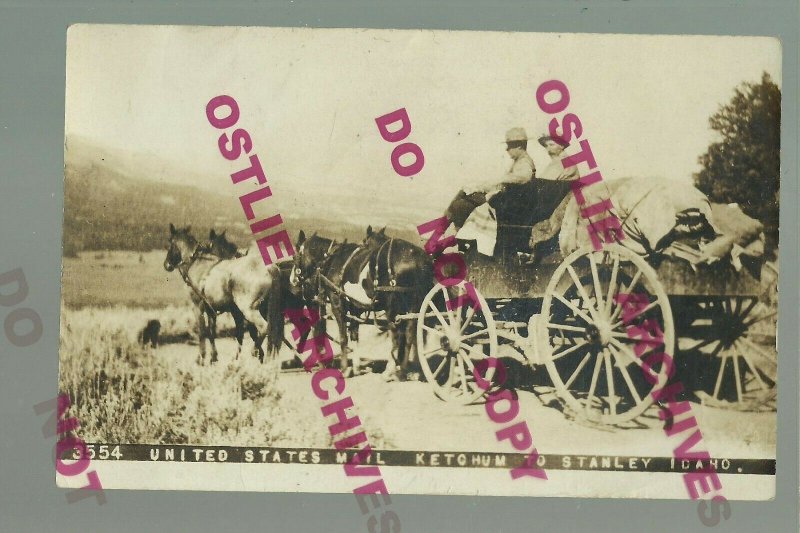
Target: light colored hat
<point>516,134</point>
<point>547,137</point>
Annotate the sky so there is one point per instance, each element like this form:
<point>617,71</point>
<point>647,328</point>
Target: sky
<point>309,98</point>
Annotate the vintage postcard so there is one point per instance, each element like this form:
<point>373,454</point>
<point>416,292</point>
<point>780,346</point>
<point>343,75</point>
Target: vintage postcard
<point>425,262</point>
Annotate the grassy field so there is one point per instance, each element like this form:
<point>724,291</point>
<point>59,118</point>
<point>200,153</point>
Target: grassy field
<point>133,279</point>
<point>124,393</point>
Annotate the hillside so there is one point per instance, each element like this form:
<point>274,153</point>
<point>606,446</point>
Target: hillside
<point>109,206</point>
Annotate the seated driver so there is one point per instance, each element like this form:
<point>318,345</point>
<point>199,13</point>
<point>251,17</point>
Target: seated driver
<point>522,170</point>
<point>471,213</point>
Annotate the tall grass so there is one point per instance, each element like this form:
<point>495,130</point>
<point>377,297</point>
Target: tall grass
<point>124,393</point>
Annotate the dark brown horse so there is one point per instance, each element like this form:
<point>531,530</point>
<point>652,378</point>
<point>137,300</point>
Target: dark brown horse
<point>381,274</point>
<point>402,274</point>
<point>217,285</point>
<point>316,278</point>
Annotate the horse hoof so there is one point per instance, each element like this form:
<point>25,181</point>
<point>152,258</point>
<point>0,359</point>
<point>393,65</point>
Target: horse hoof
<point>390,374</point>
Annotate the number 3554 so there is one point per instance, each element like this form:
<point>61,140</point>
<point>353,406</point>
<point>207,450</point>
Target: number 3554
<point>100,452</point>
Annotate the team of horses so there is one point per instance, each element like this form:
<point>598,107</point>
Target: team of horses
<point>355,281</point>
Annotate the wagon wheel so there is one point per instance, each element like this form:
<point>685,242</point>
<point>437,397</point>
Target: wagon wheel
<point>450,341</point>
<point>593,350</point>
<point>745,372</point>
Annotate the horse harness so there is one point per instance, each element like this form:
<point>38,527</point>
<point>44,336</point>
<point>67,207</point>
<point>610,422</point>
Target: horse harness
<point>185,275</point>
<point>374,272</point>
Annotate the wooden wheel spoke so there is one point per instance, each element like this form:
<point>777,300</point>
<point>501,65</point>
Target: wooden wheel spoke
<point>753,369</point>
<point>450,313</point>
<point>612,402</point>
<point>759,350</point>
<point>475,334</point>
<point>650,346</point>
<point>759,319</point>
<point>619,347</point>
<point>471,350</point>
<point>736,373</point>
<point>574,308</point>
<point>629,382</point>
<point>593,385</point>
<point>568,351</point>
<point>612,286</point>
<point>438,314</point>
<point>751,303</point>
<point>432,330</point>
<point>703,343</point>
<point>718,383</point>
<point>628,289</point>
<point>577,370</point>
<point>451,369</point>
<point>468,362</point>
<point>462,375</point>
<point>439,368</point>
<point>637,314</point>
<point>598,293</point>
<point>467,319</point>
<point>582,292</point>
<point>566,327</point>
<point>432,351</point>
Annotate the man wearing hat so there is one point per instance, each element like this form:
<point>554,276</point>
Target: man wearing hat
<point>484,219</point>
<point>522,170</point>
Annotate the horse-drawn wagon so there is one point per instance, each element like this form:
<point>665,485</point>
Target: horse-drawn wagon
<point>570,317</point>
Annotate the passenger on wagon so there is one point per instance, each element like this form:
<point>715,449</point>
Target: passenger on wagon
<point>555,149</point>
<point>543,234</point>
<point>522,170</point>
<point>472,215</point>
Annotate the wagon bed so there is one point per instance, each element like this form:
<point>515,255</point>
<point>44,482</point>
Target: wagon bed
<point>565,316</point>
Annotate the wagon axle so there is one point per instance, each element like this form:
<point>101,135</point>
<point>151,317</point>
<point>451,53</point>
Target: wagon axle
<point>599,333</point>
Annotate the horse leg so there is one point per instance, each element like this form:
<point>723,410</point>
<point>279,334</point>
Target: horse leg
<point>347,333</point>
<point>409,331</point>
<point>258,328</point>
<point>212,334</point>
<point>253,332</point>
<point>339,313</point>
<point>238,320</point>
<point>401,350</point>
<point>200,317</point>
<point>391,365</point>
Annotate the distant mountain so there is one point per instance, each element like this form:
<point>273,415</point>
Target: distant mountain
<point>110,205</point>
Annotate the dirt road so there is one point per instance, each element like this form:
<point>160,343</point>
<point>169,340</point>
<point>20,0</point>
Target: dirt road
<point>410,417</point>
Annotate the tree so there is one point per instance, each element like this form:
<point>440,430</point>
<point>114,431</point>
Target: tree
<point>744,167</point>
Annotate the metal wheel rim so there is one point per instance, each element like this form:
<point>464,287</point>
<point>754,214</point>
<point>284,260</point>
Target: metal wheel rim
<point>608,359</point>
<point>455,365</point>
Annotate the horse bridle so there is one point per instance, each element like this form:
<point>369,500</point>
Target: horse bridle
<point>302,278</point>
<point>184,272</point>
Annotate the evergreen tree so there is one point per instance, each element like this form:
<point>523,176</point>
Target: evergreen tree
<point>744,166</point>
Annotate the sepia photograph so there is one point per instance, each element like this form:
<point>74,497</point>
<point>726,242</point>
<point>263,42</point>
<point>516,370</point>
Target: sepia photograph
<point>444,262</point>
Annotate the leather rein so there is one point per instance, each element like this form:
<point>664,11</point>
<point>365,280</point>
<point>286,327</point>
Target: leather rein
<point>323,280</point>
<point>184,266</point>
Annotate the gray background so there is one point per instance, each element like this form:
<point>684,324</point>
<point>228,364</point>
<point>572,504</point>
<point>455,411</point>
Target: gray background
<point>32,42</point>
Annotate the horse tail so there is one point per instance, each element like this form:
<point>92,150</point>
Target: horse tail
<point>275,313</point>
